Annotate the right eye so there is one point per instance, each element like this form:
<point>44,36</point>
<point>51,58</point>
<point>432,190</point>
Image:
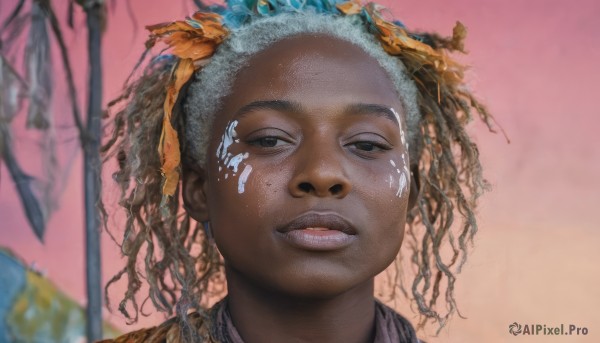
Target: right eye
<point>267,142</point>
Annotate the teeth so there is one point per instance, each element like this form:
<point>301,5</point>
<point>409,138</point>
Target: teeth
<point>317,229</point>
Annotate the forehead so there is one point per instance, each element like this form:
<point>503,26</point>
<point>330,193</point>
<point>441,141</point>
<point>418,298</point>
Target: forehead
<point>316,71</point>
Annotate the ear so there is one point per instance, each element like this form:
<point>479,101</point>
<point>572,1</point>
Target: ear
<point>415,187</point>
<point>194,192</point>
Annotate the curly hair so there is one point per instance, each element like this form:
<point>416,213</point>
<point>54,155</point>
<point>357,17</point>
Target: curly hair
<point>180,263</point>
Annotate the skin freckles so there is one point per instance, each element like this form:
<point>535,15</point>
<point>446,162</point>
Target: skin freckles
<point>312,120</point>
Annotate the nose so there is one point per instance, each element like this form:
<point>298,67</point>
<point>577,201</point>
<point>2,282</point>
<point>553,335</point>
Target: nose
<point>320,173</point>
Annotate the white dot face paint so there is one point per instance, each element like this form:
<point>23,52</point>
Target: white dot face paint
<point>228,161</point>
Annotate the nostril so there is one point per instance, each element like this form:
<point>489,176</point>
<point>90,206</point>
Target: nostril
<point>306,187</point>
<point>335,189</point>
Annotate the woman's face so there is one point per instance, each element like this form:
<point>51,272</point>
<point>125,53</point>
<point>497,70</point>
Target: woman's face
<point>307,181</point>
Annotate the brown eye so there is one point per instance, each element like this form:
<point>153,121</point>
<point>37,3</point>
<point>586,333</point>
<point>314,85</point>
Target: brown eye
<point>365,146</point>
<point>267,142</point>
<point>369,146</point>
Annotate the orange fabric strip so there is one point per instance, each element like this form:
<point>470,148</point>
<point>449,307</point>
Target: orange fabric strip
<point>168,147</point>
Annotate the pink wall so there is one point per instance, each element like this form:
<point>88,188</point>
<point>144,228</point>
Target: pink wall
<point>535,64</point>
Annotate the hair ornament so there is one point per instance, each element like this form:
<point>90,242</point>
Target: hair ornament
<point>194,40</point>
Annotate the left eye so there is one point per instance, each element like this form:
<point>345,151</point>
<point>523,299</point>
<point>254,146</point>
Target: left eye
<point>365,146</point>
<point>369,146</point>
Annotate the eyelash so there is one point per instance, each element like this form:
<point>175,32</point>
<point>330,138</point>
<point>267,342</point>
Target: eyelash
<point>258,141</point>
<point>374,146</point>
<point>270,144</point>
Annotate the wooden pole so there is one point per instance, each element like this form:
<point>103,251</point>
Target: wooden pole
<point>92,164</point>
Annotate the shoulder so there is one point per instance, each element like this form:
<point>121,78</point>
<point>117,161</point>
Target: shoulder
<point>167,332</point>
<point>143,335</point>
<point>390,326</point>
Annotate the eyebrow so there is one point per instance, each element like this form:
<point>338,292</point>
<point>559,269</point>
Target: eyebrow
<point>372,109</point>
<point>296,108</point>
<point>276,105</point>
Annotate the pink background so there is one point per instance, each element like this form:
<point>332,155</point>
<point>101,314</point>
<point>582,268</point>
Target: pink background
<point>535,63</point>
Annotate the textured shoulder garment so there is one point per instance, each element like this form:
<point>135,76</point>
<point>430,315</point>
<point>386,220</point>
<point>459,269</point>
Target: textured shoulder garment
<point>390,327</point>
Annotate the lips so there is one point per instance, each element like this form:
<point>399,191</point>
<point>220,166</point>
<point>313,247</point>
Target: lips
<point>318,232</point>
<point>319,222</point>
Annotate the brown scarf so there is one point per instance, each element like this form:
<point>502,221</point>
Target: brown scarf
<point>390,327</point>
<point>217,327</point>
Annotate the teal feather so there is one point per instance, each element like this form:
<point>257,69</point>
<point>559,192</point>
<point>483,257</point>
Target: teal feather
<point>193,23</point>
<point>239,12</point>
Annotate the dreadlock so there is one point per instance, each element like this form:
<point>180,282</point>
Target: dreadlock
<point>186,268</point>
<point>177,259</point>
<point>451,182</point>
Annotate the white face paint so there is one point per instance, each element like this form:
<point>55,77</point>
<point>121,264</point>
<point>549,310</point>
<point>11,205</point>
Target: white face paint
<point>402,177</point>
<point>405,164</point>
<point>227,139</point>
<point>243,178</point>
<point>228,161</point>
<point>401,184</point>
<point>235,161</point>
<point>400,128</point>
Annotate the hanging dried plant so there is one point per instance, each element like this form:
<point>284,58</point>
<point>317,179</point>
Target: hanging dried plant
<point>38,69</point>
<point>12,85</point>
<point>10,92</point>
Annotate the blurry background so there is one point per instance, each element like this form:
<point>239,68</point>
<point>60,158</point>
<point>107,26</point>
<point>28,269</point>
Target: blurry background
<point>535,63</point>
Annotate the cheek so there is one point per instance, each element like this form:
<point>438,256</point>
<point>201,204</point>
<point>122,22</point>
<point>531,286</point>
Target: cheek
<point>242,190</point>
<point>390,201</point>
<point>242,209</point>
<point>385,200</point>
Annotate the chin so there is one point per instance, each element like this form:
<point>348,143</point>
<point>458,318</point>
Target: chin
<point>320,284</point>
<point>320,288</point>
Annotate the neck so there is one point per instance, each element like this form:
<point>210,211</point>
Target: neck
<point>266,316</point>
